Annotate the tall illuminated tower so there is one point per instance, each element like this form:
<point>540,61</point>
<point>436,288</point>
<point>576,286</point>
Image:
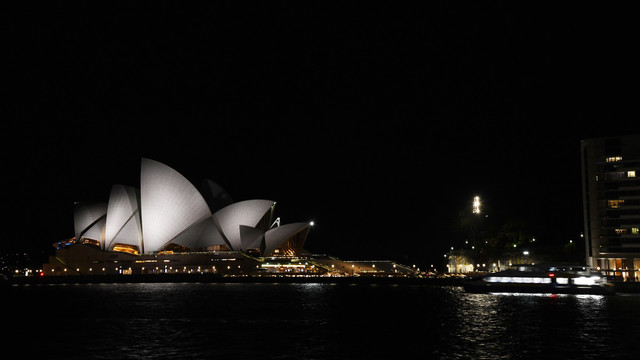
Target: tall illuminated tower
<point>476,204</point>
<point>611,203</point>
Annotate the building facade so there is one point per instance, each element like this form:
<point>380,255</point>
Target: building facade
<point>611,204</point>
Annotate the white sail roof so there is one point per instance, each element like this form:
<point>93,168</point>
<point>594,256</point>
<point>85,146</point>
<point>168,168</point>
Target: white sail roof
<point>96,230</point>
<point>85,215</point>
<point>248,213</point>
<point>250,238</point>
<point>200,235</point>
<point>295,233</point>
<point>169,204</point>
<point>123,218</point>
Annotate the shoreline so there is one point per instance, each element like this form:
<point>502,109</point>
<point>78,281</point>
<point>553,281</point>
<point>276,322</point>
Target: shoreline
<point>619,287</point>
<point>207,278</point>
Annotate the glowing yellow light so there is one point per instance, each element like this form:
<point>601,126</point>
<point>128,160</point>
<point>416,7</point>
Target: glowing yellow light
<point>476,204</point>
<point>129,249</point>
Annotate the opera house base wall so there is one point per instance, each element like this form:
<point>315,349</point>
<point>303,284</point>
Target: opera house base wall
<point>210,278</point>
<point>83,260</point>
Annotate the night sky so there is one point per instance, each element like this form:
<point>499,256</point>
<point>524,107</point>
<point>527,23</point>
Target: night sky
<point>380,123</point>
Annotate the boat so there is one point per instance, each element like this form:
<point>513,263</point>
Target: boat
<point>540,279</point>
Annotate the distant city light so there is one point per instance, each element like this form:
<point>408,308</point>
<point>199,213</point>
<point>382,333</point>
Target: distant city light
<point>311,223</point>
<point>476,204</point>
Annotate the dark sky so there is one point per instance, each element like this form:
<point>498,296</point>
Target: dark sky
<point>378,122</point>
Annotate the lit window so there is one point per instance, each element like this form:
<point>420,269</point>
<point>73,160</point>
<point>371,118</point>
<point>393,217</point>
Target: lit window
<point>621,231</point>
<point>614,204</point>
<point>613,158</point>
<point>635,230</point>
<point>631,173</point>
<point>583,280</point>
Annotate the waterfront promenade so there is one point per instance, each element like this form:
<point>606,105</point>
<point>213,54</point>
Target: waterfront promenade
<point>210,278</point>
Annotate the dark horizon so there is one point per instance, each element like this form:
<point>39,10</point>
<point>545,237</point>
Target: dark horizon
<point>380,124</point>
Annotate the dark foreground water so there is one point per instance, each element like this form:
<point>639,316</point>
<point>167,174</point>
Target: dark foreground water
<point>311,321</point>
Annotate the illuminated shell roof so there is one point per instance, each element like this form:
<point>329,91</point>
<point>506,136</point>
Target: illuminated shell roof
<point>96,230</point>
<point>250,238</point>
<point>169,209</point>
<point>200,235</point>
<point>123,218</point>
<point>243,213</point>
<point>169,204</point>
<point>291,236</point>
<point>85,216</point>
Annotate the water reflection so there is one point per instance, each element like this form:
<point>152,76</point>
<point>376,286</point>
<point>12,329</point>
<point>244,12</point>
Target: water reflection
<point>508,326</point>
<point>321,321</point>
<point>480,328</point>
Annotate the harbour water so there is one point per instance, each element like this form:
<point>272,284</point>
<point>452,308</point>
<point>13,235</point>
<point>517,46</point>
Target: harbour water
<point>311,321</point>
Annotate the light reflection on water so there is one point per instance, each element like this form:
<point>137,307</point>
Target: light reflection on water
<point>509,326</point>
<point>316,321</point>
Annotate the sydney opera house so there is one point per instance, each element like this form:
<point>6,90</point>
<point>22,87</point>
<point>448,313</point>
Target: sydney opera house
<point>170,226</point>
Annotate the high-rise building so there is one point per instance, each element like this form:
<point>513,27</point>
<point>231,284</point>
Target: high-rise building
<point>611,203</point>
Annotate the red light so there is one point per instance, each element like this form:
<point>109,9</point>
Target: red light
<point>552,275</point>
<point>42,274</point>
